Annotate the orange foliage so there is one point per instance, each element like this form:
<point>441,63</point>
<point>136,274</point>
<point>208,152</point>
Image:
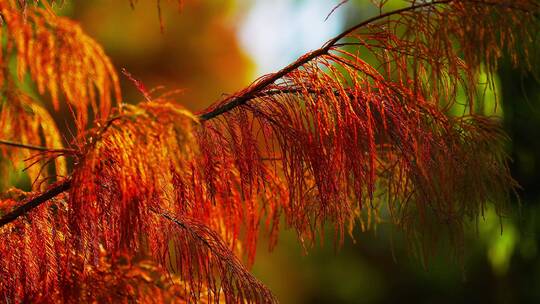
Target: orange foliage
<point>330,138</point>
<point>36,269</point>
<point>22,120</point>
<point>131,192</point>
<point>61,59</point>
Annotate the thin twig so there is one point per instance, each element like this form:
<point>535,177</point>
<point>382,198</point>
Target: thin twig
<point>334,9</point>
<point>33,202</point>
<point>34,147</point>
<point>334,40</point>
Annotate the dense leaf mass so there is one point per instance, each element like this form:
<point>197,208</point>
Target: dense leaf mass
<point>61,59</point>
<point>164,205</point>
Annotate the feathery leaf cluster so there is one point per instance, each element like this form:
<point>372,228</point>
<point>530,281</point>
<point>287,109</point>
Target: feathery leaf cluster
<point>25,121</point>
<point>60,59</point>
<point>356,132</point>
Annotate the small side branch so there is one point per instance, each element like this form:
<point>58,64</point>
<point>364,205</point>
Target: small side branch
<point>35,148</point>
<point>36,200</point>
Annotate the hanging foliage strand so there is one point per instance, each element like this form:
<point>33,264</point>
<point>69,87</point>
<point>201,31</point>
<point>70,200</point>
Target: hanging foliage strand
<point>61,59</point>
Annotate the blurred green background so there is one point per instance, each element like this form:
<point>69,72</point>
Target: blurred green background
<point>215,47</point>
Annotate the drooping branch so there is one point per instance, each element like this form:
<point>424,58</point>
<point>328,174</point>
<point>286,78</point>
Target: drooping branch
<point>37,39</point>
<point>30,203</point>
<point>162,132</point>
<point>236,281</point>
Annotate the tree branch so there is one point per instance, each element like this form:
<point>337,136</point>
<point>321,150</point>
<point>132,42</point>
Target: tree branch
<point>256,88</point>
<point>35,201</point>
<point>244,96</point>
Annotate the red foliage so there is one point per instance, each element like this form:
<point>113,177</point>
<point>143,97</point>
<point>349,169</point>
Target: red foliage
<point>329,139</point>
